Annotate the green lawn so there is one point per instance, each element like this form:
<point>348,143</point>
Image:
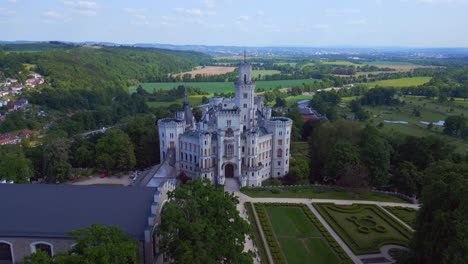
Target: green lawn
<point>194,100</point>
<point>340,63</point>
<point>291,100</point>
<point>407,215</point>
<point>364,228</point>
<point>402,82</point>
<point>315,192</point>
<point>219,87</point>
<point>298,237</point>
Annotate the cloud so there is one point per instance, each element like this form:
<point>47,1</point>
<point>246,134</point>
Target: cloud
<point>86,12</point>
<point>243,18</point>
<point>138,15</point>
<point>340,12</point>
<point>208,3</point>
<point>193,11</point>
<point>81,4</point>
<point>358,22</point>
<point>52,14</point>
<point>260,13</point>
<point>7,12</point>
<point>11,1</point>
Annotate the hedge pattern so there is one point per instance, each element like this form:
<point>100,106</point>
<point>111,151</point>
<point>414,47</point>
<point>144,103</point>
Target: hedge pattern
<point>402,213</point>
<point>346,235</point>
<point>257,237</point>
<point>276,253</point>
<point>340,253</point>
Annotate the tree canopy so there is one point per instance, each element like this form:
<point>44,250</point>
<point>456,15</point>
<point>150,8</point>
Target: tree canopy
<point>200,224</point>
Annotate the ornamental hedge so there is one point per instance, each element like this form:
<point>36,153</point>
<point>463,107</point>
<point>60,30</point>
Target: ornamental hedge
<point>257,237</point>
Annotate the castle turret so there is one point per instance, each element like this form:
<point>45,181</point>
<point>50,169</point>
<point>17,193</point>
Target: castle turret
<point>280,127</point>
<point>169,131</point>
<point>245,93</point>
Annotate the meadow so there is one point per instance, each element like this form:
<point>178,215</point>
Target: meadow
<point>219,87</point>
<point>402,82</point>
<point>259,74</point>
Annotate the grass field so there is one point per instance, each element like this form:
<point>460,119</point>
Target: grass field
<point>259,74</point>
<point>316,192</point>
<point>291,100</point>
<point>407,215</point>
<point>364,228</point>
<point>219,87</point>
<point>208,70</point>
<point>340,63</point>
<point>430,111</point>
<point>298,237</point>
<point>402,82</point>
<point>387,63</point>
<point>194,100</point>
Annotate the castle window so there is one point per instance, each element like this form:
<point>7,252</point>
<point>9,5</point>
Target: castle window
<point>228,122</point>
<point>279,163</point>
<point>190,157</point>
<point>229,149</point>
<point>205,152</point>
<point>279,153</point>
<point>245,95</point>
<point>43,246</point>
<point>243,149</point>
<point>280,142</point>
<point>205,142</point>
<point>245,78</point>
<point>245,106</point>
<point>172,135</point>
<point>280,133</point>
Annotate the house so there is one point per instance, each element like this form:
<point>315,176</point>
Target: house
<point>4,101</point>
<point>309,114</point>
<point>7,138</point>
<point>40,216</point>
<point>25,134</point>
<point>4,93</point>
<point>17,105</point>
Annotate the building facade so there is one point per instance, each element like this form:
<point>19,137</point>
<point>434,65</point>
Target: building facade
<point>235,138</point>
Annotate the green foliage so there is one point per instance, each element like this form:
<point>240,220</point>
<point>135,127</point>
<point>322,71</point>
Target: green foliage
<point>115,151</point>
<point>257,237</point>
<point>442,221</point>
<point>456,126</point>
<point>56,166</point>
<point>197,219</point>
<point>14,166</point>
<point>326,103</point>
<point>380,96</point>
<point>38,257</point>
<point>145,138</point>
<point>408,215</point>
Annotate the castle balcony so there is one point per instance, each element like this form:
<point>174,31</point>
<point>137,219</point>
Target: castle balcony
<point>252,168</point>
<point>206,170</point>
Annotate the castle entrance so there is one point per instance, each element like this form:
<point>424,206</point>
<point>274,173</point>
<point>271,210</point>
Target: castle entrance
<point>229,171</point>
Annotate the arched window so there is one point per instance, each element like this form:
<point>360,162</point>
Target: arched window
<point>279,153</point>
<point>6,252</point>
<point>44,246</point>
<point>229,149</point>
<point>245,78</point>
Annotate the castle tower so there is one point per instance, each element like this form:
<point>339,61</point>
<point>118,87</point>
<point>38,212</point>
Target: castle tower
<point>245,93</point>
<point>280,127</point>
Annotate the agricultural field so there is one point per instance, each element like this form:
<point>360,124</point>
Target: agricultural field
<point>318,192</point>
<point>220,87</point>
<point>259,74</point>
<point>394,63</point>
<point>402,82</point>
<point>364,228</point>
<point>208,70</point>
<point>294,234</point>
<point>407,215</point>
<point>429,111</point>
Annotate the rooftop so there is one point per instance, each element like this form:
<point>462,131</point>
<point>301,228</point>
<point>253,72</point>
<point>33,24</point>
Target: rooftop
<point>41,210</point>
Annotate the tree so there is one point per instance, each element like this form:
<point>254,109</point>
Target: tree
<point>407,179</point>
<point>114,150</point>
<point>343,154</point>
<point>442,221</point>
<point>55,158</point>
<point>14,166</point>
<point>375,154</point>
<point>455,126</point>
<point>95,244</point>
<point>299,171</point>
<point>200,224</point>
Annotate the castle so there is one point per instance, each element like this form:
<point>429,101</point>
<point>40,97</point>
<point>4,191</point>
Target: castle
<point>235,138</point>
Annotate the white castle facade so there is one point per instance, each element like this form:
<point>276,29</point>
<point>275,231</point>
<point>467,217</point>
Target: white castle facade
<point>235,138</point>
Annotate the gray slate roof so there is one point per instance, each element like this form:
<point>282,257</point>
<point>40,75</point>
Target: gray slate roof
<point>41,210</point>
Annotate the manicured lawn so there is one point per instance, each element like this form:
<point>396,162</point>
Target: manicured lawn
<point>364,228</point>
<point>315,192</point>
<point>402,82</point>
<point>298,237</point>
<point>219,87</point>
<point>407,215</point>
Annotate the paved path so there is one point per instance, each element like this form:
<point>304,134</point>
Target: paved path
<point>356,259</point>
<point>124,180</point>
<point>396,218</point>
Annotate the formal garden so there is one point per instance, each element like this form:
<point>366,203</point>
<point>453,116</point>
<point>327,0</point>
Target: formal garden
<point>406,214</point>
<point>364,228</point>
<point>294,234</point>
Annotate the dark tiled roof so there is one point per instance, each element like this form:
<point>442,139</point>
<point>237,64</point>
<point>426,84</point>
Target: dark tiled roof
<point>41,210</point>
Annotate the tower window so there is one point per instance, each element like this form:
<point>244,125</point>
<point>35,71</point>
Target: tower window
<point>246,95</point>
<point>245,78</point>
<point>245,106</point>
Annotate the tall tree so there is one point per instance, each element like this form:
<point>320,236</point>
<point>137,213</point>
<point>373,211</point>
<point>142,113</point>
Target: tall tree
<point>114,150</point>
<point>56,160</point>
<point>14,166</point>
<point>200,224</point>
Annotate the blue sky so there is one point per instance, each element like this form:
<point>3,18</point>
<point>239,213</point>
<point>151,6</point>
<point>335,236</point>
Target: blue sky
<point>413,23</point>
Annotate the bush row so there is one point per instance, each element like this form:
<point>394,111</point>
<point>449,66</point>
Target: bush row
<point>257,237</point>
<point>273,244</point>
<point>376,243</point>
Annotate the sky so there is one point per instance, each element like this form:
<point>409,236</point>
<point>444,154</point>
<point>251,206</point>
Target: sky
<point>363,23</point>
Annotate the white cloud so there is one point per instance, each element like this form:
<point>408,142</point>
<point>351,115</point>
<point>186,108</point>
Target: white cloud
<point>82,4</point>
<point>11,1</point>
<point>86,12</point>
<point>138,15</point>
<point>193,11</point>
<point>358,22</point>
<point>340,12</point>
<point>7,12</point>
<point>52,14</point>
<point>243,18</point>
<point>208,3</point>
